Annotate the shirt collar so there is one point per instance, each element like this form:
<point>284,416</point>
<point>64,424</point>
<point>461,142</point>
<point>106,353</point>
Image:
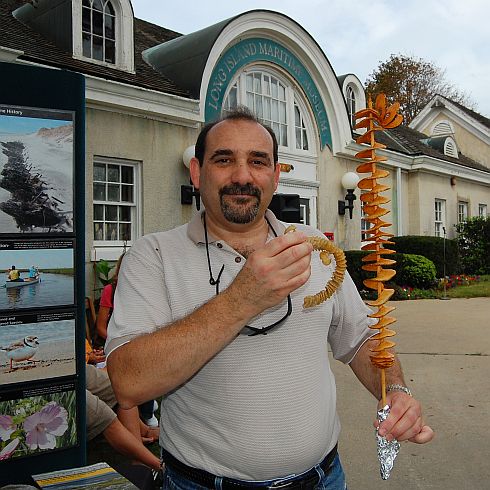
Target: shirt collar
<point>195,228</point>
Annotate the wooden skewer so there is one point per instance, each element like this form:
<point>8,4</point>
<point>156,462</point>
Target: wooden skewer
<point>375,119</point>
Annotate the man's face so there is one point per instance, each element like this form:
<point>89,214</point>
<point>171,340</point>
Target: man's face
<point>238,176</point>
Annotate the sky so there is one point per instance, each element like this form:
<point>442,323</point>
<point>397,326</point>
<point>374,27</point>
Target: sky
<point>357,35</point>
<point>41,258</point>
<point>26,125</point>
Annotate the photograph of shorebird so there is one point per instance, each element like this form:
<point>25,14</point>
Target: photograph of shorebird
<point>21,350</point>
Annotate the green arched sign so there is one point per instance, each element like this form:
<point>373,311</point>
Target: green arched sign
<point>259,49</point>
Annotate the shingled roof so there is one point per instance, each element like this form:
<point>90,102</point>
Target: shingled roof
<point>475,115</point>
<point>37,48</point>
<point>413,143</point>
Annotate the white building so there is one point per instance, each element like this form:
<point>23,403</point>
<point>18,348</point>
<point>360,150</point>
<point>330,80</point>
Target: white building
<point>149,90</point>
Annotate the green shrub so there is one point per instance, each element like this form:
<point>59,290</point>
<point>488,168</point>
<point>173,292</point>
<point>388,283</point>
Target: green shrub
<point>411,270</point>
<point>416,271</point>
<point>474,245</point>
<point>431,247</point>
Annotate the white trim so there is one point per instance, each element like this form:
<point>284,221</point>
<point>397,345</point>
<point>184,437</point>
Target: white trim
<point>306,184</point>
<point>399,201</point>
<point>8,55</point>
<point>439,105</point>
<point>352,82</point>
<point>443,215</point>
<point>423,162</point>
<point>139,101</point>
<point>287,32</point>
<point>435,166</point>
<point>128,99</point>
<point>124,35</point>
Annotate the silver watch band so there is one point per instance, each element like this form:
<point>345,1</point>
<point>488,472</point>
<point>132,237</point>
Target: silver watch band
<point>398,388</point>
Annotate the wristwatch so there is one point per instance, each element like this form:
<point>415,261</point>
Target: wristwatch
<point>398,388</point>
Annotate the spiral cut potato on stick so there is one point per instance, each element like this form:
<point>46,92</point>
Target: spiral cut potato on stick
<point>373,119</point>
<point>326,249</point>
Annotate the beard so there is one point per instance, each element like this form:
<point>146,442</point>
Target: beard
<point>240,210</point>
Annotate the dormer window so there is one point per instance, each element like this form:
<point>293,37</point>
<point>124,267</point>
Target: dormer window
<point>103,33</point>
<point>99,30</point>
<point>442,128</point>
<point>450,148</point>
<point>351,104</point>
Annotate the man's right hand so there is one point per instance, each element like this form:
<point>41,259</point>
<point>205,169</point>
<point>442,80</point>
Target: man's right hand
<point>272,272</point>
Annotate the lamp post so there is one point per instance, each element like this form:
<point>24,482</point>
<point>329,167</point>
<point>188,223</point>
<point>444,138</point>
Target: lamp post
<point>444,262</point>
<point>349,182</point>
<point>187,192</point>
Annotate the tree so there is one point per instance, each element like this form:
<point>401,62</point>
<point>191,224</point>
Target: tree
<point>412,82</point>
<point>474,244</point>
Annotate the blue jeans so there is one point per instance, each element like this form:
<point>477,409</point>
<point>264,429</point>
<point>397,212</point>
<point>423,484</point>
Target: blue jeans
<point>335,480</point>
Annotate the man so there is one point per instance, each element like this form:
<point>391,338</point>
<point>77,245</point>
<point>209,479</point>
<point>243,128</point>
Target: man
<point>241,409</point>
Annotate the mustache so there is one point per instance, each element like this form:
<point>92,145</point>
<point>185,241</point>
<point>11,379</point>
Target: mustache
<point>234,189</point>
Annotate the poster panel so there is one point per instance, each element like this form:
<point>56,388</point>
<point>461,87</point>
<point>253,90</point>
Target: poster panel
<point>36,170</point>
<point>36,273</point>
<point>37,421</point>
<point>37,346</point>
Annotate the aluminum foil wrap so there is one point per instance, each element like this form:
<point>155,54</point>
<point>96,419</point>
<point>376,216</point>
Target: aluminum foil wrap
<point>387,450</point>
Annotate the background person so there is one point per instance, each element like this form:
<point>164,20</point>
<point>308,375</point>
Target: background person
<point>14,274</point>
<point>241,407</point>
<point>106,307</point>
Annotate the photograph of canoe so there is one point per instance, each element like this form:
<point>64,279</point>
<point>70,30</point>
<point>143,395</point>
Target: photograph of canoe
<point>36,278</point>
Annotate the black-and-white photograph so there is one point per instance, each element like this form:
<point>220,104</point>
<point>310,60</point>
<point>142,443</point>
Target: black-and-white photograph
<point>36,170</point>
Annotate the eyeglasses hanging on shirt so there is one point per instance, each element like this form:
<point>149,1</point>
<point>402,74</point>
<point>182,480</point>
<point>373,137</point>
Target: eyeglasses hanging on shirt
<point>246,330</point>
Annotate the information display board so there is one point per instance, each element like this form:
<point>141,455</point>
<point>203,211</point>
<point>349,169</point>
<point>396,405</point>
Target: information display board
<point>42,216</point>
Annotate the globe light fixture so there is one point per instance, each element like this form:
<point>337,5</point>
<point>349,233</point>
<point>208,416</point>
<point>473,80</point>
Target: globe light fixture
<point>349,182</point>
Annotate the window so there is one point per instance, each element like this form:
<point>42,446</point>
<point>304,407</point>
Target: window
<point>450,148</point>
<point>304,211</point>
<point>103,33</point>
<point>482,210</point>
<point>351,104</point>
<point>99,30</point>
<point>300,129</point>
<point>275,104</point>
<point>365,225</point>
<point>115,202</point>
<point>439,217</point>
<point>462,211</point>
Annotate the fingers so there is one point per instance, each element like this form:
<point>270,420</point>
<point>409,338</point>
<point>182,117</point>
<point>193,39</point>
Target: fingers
<point>405,421</point>
<point>425,435</point>
<point>283,242</point>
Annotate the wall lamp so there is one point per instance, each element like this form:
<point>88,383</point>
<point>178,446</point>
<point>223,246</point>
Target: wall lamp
<point>349,182</point>
<point>187,192</point>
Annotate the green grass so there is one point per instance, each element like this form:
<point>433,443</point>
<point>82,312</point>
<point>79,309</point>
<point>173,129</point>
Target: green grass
<point>475,290</point>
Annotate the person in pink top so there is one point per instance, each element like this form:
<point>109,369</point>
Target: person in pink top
<point>106,307</point>
<point>106,304</point>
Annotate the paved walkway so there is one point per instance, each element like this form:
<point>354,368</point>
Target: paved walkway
<point>444,347</point>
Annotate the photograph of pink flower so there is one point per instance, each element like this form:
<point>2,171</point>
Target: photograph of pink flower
<point>37,424</point>
<point>43,427</point>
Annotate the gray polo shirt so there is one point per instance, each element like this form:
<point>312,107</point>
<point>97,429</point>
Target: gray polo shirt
<point>265,406</point>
